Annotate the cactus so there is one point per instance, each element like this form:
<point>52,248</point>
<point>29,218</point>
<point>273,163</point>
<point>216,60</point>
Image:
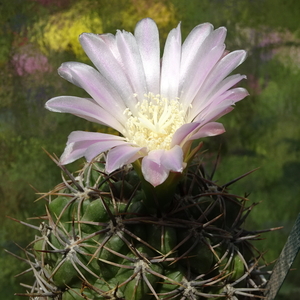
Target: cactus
<point>100,240</point>
<point>143,220</point>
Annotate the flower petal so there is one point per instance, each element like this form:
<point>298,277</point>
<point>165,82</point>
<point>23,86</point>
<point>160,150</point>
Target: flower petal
<point>80,141</point>
<point>147,37</point>
<point>209,129</point>
<point>100,147</point>
<point>235,95</point>
<point>157,165</point>
<point>214,98</point>
<point>171,65</point>
<point>205,59</point>
<point>183,133</point>
<point>111,43</point>
<point>77,136</point>
<point>221,105</point>
<point>132,62</point>
<point>123,155</point>
<point>83,108</point>
<point>172,159</point>
<point>198,73</point>
<point>224,86</point>
<point>96,85</point>
<point>103,58</point>
<point>152,169</point>
<point>212,114</point>
<point>220,71</point>
<point>192,44</point>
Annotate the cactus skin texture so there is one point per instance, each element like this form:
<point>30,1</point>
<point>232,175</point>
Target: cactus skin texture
<point>99,241</point>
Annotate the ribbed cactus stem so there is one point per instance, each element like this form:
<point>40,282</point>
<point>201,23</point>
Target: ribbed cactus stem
<point>100,239</point>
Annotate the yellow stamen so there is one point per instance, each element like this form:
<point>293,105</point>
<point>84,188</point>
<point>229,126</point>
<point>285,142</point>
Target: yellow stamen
<point>154,123</point>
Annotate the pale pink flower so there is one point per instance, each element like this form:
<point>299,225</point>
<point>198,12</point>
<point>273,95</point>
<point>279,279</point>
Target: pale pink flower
<point>158,106</point>
<point>29,64</point>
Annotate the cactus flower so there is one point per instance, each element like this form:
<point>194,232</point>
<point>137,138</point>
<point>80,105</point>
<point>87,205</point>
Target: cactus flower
<point>159,106</point>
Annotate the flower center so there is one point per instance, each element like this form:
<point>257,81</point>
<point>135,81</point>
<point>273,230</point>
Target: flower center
<point>154,122</point>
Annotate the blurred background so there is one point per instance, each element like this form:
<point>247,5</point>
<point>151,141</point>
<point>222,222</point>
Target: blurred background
<point>263,131</point>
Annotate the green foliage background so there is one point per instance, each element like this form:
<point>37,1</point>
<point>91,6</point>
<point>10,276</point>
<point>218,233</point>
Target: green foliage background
<point>263,131</point>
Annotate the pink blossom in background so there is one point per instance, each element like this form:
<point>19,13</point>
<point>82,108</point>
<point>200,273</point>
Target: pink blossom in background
<point>270,38</point>
<point>265,41</point>
<point>158,106</point>
<point>268,43</point>
<point>29,63</point>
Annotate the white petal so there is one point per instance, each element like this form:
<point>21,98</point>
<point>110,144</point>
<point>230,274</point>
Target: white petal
<point>80,141</point>
<point>152,168</point>
<point>213,113</point>
<point>132,62</point>
<point>100,147</point>
<point>170,70</point>
<point>123,155</point>
<point>198,73</point>
<point>110,41</point>
<point>182,133</point>
<point>96,85</point>
<point>222,69</point>
<point>147,37</point>
<point>104,60</point>
<point>202,106</point>
<point>209,129</point>
<point>206,58</point>
<point>192,44</point>
<point>173,159</point>
<point>157,165</point>
<point>84,108</point>
<point>214,80</point>
<point>77,136</point>
<point>234,95</point>
<point>224,85</point>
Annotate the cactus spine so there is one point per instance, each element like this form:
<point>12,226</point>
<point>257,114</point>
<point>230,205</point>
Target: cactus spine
<point>100,239</point>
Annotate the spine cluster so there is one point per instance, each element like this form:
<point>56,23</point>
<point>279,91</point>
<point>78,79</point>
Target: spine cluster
<point>99,239</point>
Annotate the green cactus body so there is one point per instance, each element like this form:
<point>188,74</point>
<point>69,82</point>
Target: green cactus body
<point>99,241</point>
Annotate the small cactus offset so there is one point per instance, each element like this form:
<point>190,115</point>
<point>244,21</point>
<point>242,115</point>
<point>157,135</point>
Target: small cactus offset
<point>98,240</point>
<point>142,220</point>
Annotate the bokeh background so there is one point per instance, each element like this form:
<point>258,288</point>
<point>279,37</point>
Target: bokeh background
<point>36,36</point>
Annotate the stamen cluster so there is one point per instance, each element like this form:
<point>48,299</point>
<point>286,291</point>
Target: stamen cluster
<point>154,122</point>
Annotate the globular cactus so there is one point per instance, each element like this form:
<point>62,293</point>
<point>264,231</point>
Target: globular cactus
<point>100,240</point>
<point>146,222</point>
